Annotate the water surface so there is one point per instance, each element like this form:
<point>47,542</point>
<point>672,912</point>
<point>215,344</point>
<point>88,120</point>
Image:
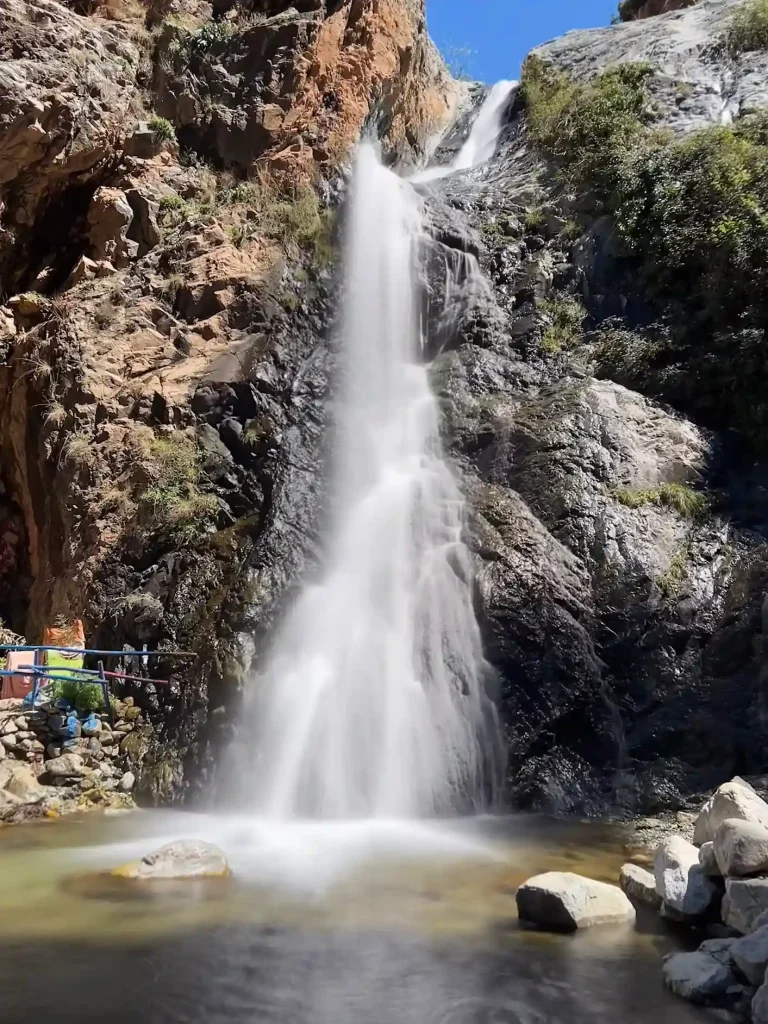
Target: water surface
<point>412,925</point>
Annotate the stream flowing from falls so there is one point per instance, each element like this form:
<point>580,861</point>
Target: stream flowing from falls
<point>372,704</point>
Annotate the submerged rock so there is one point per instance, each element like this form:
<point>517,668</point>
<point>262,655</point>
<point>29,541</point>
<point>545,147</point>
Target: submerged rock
<point>563,901</point>
<point>185,858</point>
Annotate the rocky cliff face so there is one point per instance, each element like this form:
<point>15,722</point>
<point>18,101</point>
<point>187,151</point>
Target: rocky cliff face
<point>620,544</point>
<point>168,185</point>
<point>167,195</point>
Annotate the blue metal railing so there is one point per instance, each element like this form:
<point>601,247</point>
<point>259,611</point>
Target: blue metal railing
<point>42,674</point>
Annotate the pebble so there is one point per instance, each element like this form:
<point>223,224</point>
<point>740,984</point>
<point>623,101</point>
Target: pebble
<point>127,782</point>
<point>8,741</point>
<point>10,728</point>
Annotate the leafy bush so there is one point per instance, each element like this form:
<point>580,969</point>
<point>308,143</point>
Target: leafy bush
<point>534,220</point>
<point>586,129</point>
<point>212,34</point>
<point>162,129</point>
<point>567,316</point>
<point>748,27</point>
<point>693,213</point>
<point>687,502</point>
<point>82,696</point>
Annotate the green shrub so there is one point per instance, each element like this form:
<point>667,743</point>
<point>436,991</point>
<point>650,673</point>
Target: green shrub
<point>567,317</point>
<point>687,502</point>
<point>692,212</point>
<point>211,35</point>
<point>82,696</point>
<point>671,581</point>
<point>162,129</point>
<point>748,28</point>
<point>534,220</point>
<point>586,129</point>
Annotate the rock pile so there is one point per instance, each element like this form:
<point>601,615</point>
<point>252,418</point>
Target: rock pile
<point>41,773</point>
<point>724,884</point>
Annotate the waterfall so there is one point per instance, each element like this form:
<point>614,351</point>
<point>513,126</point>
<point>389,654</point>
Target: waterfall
<point>371,703</point>
<point>483,137</point>
<point>486,129</point>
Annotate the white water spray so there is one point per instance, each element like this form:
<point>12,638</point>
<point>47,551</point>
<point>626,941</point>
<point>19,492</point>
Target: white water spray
<point>372,702</point>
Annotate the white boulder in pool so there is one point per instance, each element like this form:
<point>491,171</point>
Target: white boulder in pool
<point>563,901</point>
<point>184,858</point>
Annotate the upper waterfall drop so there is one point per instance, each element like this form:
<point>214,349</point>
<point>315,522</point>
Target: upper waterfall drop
<point>486,130</point>
<point>480,145</point>
<point>372,701</point>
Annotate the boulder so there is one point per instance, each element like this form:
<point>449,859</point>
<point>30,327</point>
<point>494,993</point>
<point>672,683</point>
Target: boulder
<point>720,949</point>
<point>684,889</point>
<point>741,848</point>
<point>185,858</point>
<point>640,885</point>
<point>66,766</point>
<point>127,782</point>
<point>745,900</point>
<point>563,901</point>
<point>9,804</point>
<point>698,977</point>
<point>18,779</point>
<point>109,218</point>
<point>760,1006</point>
<point>708,861</point>
<point>750,954</point>
<point>734,799</point>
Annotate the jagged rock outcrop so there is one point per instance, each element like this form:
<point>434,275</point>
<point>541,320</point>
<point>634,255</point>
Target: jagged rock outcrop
<point>164,366</point>
<point>296,82</point>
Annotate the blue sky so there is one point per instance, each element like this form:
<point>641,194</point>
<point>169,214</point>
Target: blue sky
<point>490,38</point>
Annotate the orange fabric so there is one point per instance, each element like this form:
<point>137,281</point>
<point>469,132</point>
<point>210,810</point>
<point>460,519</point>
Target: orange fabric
<point>17,687</point>
<point>73,636</point>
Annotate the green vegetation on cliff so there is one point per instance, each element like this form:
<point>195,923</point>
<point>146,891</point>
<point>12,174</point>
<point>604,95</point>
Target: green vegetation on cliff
<point>748,28</point>
<point>692,212</point>
<point>586,129</point>
<point>683,499</point>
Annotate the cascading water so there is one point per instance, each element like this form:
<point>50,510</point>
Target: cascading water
<point>372,702</point>
<point>483,137</point>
